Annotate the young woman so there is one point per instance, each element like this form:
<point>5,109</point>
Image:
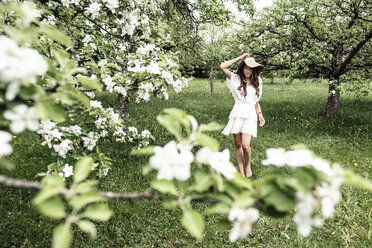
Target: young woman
<point>246,88</point>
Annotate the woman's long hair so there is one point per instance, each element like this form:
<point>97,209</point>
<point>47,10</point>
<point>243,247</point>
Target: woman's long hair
<point>253,79</point>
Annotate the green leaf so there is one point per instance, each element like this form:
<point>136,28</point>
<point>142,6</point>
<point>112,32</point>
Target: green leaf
<point>47,109</point>
<point>88,227</point>
<point>164,186</point>
<point>82,169</point>
<point>148,150</point>
<point>179,115</point>
<point>205,140</point>
<point>193,222</point>
<point>53,208</point>
<point>241,181</point>
<point>171,124</point>
<point>244,200</point>
<point>62,236</point>
<point>212,126</point>
<point>53,186</point>
<point>82,200</point>
<point>170,204</point>
<point>202,182</point>
<point>277,198</point>
<point>219,208</point>
<point>93,83</point>
<point>354,180</point>
<point>86,186</point>
<point>55,35</point>
<point>146,169</point>
<point>98,211</point>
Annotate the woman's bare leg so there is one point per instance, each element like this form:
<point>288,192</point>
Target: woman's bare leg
<point>239,152</point>
<point>246,145</point>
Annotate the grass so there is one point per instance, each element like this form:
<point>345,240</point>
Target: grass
<point>292,116</point>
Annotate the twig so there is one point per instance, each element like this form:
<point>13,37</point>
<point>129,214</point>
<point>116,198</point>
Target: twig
<point>148,194</point>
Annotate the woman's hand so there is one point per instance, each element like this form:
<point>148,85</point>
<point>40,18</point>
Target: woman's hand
<point>262,120</point>
<point>244,56</point>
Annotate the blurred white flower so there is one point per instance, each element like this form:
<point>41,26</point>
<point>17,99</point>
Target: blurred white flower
<point>72,129</point>
<point>298,158</point>
<point>171,163</point>
<point>220,161</point>
<point>18,66</point>
<point>95,104</point>
<point>22,117</point>
<point>5,147</point>
<point>153,68</point>
<point>121,90</point>
<point>275,156</point>
<point>243,220</point>
<point>304,217</point>
<point>330,195</point>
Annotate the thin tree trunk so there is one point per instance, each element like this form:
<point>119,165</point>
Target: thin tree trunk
<point>333,102</point>
<point>124,109</point>
<point>210,84</point>
<point>272,80</point>
<point>283,84</point>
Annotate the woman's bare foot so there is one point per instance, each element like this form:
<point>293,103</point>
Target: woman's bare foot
<point>248,170</point>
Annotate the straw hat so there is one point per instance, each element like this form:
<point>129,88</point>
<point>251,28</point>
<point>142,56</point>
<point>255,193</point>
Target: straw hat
<point>252,64</point>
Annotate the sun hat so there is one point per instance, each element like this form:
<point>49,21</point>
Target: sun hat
<point>251,63</point>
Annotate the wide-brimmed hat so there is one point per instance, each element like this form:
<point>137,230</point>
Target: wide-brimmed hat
<point>251,63</point>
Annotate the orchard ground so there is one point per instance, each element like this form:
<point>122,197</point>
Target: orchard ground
<point>292,116</point>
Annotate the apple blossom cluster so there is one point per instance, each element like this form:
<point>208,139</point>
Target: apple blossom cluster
<point>18,66</point>
<point>22,117</point>
<point>327,194</point>
<point>242,219</point>
<point>219,161</point>
<point>173,161</point>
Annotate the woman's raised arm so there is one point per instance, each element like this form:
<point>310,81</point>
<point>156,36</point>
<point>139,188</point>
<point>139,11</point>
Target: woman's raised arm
<point>226,64</point>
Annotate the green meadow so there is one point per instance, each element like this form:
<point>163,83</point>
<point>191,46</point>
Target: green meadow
<point>292,116</point>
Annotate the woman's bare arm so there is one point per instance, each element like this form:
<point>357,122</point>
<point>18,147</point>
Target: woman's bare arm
<point>226,64</point>
<point>259,113</point>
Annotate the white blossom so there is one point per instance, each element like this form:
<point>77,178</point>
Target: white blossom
<point>94,9</point>
<point>121,90</point>
<point>5,147</point>
<point>63,147</point>
<point>109,83</point>
<point>220,161</point>
<point>171,163</point>
<point>304,217</point>
<point>243,219</point>
<point>145,133</point>
<point>95,104</point>
<point>330,195</point>
<point>90,94</point>
<point>22,117</point>
<point>68,170</point>
<point>18,66</point>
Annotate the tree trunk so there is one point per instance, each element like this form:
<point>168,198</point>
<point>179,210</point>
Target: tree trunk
<point>210,84</point>
<point>283,84</point>
<point>124,109</point>
<point>272,80</point>
<point>333,102</point>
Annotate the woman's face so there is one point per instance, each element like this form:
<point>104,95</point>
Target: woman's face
<point>247,71</point>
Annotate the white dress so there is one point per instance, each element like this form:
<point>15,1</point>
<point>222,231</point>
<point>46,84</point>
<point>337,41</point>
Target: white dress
<point>243,117</point>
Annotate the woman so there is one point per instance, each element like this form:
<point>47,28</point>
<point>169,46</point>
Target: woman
<point>246,88</point>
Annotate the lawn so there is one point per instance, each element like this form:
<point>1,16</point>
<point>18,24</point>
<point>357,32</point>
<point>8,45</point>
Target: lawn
<point>292,117</point>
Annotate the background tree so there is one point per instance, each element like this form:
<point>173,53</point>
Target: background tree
<point>316,38</point>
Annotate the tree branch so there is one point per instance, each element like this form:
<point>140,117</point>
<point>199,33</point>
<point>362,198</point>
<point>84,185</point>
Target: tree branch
<point>148,194</point>
<point>352,54</point>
